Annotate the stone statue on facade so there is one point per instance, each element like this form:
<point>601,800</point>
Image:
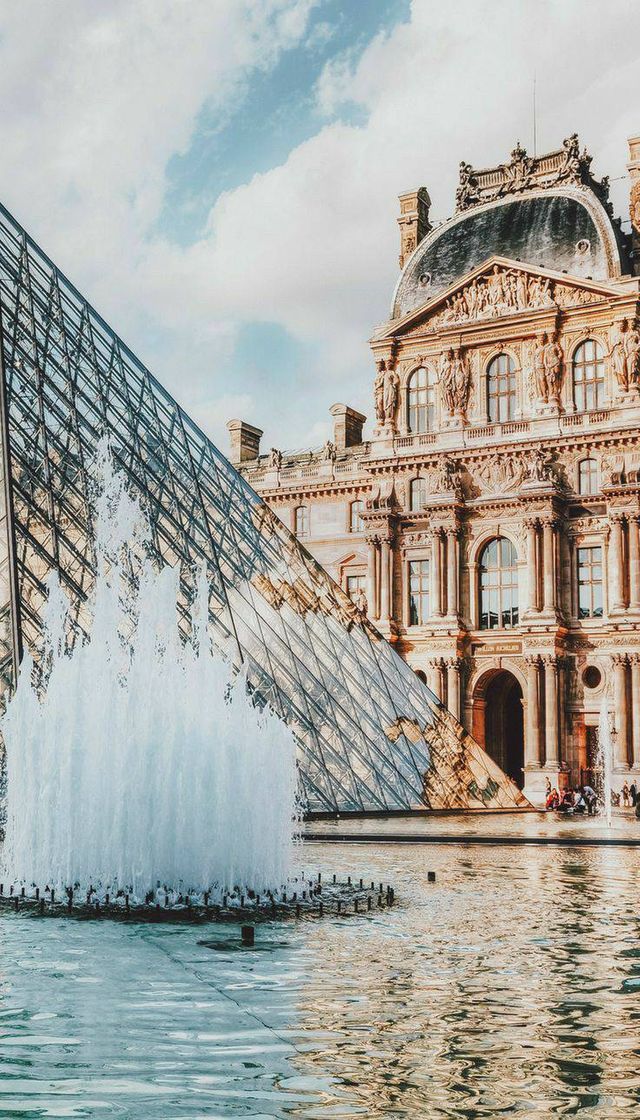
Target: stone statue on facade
<point>274,460</point>
<point>570,164</point>
<point>539,466</point>
<point>553,359</point>
<point>455,382</point>
<point>360,601</point>
<point>378,390</point>
<point>625,354</point>
<point>467,192</point>
<point>390,391</point>
<point>328,452</point>
<point>516,173</point>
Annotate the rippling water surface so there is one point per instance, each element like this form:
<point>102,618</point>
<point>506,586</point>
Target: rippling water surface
<point>510,987</point>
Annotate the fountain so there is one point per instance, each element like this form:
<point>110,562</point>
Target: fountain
<point>605,758</point>
<point>138,760</point>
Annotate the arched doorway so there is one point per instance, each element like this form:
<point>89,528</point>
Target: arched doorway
<point>498,722</point>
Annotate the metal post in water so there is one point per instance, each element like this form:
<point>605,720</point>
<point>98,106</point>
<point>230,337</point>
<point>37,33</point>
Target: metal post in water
<point>248,935</point>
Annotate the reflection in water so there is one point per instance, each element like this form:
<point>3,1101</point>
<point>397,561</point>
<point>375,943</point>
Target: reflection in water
<point>511,986</point>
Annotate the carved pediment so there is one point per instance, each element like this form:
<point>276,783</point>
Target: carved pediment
<point>502,288</point>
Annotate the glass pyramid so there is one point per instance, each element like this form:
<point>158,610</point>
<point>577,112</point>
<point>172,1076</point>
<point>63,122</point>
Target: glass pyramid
<point>371,736</point>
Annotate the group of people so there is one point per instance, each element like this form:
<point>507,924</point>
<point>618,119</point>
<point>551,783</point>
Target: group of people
<point>580,799</point>
<point>584,799</point>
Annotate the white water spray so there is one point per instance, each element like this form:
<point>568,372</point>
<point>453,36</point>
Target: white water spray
<point>140,761</point>
<point>605,758</point>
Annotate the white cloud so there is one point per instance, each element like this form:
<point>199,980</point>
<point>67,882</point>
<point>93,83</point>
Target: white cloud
<point>96,100</point>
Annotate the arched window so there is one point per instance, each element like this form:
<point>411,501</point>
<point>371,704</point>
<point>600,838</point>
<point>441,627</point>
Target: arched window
<point>421,400</point>
<point>356,524</point>
<point>501,389</point>
<point>498,585</point>
<point>588,376</point>
<point>302,521</point>
<point>418,494</point>
<point>587,476</point>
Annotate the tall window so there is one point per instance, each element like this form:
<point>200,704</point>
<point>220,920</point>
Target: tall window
<point>356,584</point>
<point>498,585</point>
<point>302,521</point>
<point>587,476</point>
<point>501,389</point>
<point>418,494</point>
<point>588,376</point>
<point>356,524</point>
<point>421,400</point>
<point>418,592</point>
<point>590,582</point>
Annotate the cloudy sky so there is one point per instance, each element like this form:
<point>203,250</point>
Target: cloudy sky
<point>220,177</point>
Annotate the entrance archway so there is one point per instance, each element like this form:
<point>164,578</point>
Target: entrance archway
<point>498,722</point>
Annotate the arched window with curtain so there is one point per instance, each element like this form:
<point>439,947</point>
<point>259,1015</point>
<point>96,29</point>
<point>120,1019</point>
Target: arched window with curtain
<point>588,376</point>
<point>356,524</point>
<point>301,521</point>
<point>418,494</point>
<point>421,400</point>
<point>501,389</point>
<point>498,585</point>
<point>587,476</point>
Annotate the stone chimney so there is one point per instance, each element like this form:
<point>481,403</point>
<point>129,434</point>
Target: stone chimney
<point>634,199</point>
<point>413,220</point>
<point>244,440</point>
<point>347,426</point>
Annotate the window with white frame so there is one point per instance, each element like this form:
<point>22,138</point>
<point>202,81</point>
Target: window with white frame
<point>356,524</point>
<point>498,585</point>
<point>589,578</point>
<point>417,494</point>
<point>301,521</point>
<point>588,476</point>
<point>588,376</point>
<point>501,389</point>
<point>419,608</point>
<point>421,400</point>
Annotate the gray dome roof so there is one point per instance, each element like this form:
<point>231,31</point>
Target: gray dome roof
<point>541,228</point>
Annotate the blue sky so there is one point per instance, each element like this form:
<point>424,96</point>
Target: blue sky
<point>220,177</point>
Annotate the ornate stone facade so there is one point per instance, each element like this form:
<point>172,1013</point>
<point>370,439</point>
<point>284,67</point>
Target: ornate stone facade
<point>491,525</point>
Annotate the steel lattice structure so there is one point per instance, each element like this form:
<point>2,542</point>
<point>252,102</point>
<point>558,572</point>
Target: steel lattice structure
<point>371,735</point>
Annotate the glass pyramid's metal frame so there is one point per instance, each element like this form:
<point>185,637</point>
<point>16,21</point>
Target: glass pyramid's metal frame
<point>371,736</point>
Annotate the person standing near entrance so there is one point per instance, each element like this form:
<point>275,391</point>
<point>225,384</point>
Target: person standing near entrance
<point>591,799</point>
<point>633,790</point>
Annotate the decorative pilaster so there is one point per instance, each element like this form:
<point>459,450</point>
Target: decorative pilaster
<point>385,581</point>
<point>635,709</point>
<point>616,561</point>
<point>621,750</point>
<point>454,665</point>
<point>532,754</point>
<point>549,565</point>
<point>436,666</point>
<point>533,605</point>
<point>436,572</point>
<point>552,758</point>
<point>634,564</point>
<point>372,597</point>
<point>452,571</point>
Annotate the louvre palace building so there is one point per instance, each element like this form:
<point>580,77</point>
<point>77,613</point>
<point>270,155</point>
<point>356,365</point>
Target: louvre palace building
<point>490,527</point>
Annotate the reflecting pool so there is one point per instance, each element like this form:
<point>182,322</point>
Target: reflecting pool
<point>511,986</point>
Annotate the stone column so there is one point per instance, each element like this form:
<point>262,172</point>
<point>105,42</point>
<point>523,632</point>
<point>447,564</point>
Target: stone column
<point>616,563</point>
<point>532,742</point>
<point>453,686</point>
<point>635,710</point>
<point>436,573</point>
<point>621,750</point>
<point>532,564</point>
<point>549,566</point>
<point>371,578</point>
<point>452,571</point>
<point>385,596</point>
<point>436,677</point>
<point>552,759</point>
<point>634,564</point>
